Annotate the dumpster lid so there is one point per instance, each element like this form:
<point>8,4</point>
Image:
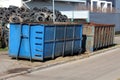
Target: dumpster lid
<point>51,23</point>
<point>99,25</point>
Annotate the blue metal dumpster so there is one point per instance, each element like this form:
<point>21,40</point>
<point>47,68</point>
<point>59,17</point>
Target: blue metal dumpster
<point>41,41</point>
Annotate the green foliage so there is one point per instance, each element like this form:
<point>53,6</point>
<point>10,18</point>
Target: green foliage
<point>4,49</point>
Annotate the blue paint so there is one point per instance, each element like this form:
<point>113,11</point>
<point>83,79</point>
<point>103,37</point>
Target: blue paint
<point>39,42</point>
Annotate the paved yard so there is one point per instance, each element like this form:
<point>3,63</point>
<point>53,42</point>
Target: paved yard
<point>103,66</point>
<point>10,66</point>
<point>117,39</point>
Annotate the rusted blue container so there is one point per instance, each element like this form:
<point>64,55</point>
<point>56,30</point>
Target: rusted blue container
<point>39,41</point>
<point>96,36</point>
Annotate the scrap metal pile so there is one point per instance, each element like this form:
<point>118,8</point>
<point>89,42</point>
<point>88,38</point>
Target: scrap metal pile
<point>15,14</point>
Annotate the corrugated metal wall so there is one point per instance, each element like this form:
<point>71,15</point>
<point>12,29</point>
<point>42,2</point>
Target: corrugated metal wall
<point>106,18</point>
<point>62,6</point>
<point>65,7</point>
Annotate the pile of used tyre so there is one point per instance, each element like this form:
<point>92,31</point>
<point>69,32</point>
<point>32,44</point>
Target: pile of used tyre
<point>4,32</point>
<point>15,14</point>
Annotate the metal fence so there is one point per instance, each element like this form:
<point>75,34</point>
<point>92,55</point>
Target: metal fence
<point>95,9</point>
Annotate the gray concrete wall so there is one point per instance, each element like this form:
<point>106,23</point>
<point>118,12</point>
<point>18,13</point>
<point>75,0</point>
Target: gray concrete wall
<point>117,4</point>
<point>106,18</point>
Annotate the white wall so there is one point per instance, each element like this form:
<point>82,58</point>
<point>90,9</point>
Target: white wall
<point>7,3</point>
<point>72,0</point>
<point>77,14</point>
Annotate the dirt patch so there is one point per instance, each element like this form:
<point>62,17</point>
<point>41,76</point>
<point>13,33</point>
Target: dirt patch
<point>2,74</point>
<point>16,70</point>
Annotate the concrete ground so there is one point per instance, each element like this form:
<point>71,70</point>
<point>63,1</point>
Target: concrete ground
<point>117,39</point>
<point>11,66</point>
<point>103,66</point>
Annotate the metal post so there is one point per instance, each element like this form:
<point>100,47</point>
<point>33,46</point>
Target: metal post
<point>53,10</point>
